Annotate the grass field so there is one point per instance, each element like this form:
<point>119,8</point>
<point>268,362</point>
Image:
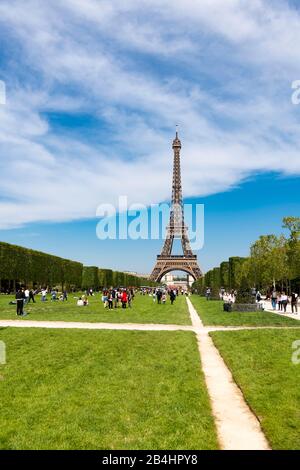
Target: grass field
<point>143,311</point>
<point>211,313</point>
<point>64,389</point>
<point>261,363</point>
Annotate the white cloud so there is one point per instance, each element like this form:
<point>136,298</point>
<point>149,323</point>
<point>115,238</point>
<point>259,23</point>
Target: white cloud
<point>220,69</point>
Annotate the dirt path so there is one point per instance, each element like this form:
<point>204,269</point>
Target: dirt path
<point>237,427</point>
<point>289,315</point>
<point>94,326</point>
<point>196,327</point>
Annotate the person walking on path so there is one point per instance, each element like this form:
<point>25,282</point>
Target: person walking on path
<point>20,297</point>
<point>284,301</point>
<point>279,302</point>
<point>258,296</point>
<point>273,299</point>
<point>294,301</point>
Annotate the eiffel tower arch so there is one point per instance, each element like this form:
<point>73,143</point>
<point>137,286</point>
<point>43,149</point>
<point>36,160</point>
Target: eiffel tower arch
<point>177,228</point>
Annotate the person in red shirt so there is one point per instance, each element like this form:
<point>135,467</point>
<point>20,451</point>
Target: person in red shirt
<point>124,299</point>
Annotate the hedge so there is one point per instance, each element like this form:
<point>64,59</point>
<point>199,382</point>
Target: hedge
<point>34,267</point>
<point>90,277</point>
<point>27,266</point>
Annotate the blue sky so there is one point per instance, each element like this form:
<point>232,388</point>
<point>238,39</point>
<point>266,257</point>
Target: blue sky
<point>93,92</point>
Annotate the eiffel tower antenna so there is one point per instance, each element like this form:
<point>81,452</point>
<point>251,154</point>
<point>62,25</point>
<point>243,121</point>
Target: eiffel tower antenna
<point>167,262</point>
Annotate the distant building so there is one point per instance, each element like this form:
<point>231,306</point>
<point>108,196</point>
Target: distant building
<point>176,281</point>
<point>167,279</point>
<point>134,273</point>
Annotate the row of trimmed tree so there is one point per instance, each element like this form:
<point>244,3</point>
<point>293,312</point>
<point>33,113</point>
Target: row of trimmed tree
<point>274,261</point>
<point>96,278</point>
<point>20,265</point>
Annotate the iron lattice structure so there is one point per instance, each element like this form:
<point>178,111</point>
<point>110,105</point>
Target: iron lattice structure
<point>167,262</point>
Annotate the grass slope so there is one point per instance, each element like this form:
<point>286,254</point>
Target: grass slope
<point>261,365</point>
<point>211,313</point>
<point>64,389</point>
<point>143,310</point>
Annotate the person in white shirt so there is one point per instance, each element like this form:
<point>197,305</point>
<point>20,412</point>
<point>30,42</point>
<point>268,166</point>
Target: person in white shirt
<point>26,296</point>
<point>44,293</point>
<point>231,298</point>
<point>284,301</point>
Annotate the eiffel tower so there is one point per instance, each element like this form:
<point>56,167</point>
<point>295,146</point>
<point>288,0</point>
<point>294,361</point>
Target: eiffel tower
<point>167,262</point>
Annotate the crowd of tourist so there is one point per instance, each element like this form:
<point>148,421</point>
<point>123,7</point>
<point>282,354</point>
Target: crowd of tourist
<point>117,297</point>
<point>112,298</point>
<point>279,299</point>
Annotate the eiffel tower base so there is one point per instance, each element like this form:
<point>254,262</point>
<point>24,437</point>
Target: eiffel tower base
<point>165,264</point>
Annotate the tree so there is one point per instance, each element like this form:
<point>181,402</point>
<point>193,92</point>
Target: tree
<point>235,267</point>
<point>224,274</point>
<point>293,245</point>
<point>269,261</point>
<point>90,277</point>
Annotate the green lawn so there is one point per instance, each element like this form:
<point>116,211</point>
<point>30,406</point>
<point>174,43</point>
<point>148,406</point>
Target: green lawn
<point>143,311</point>
<point>211,313</point>
<point>64,389</point>
<point>261,363</point>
